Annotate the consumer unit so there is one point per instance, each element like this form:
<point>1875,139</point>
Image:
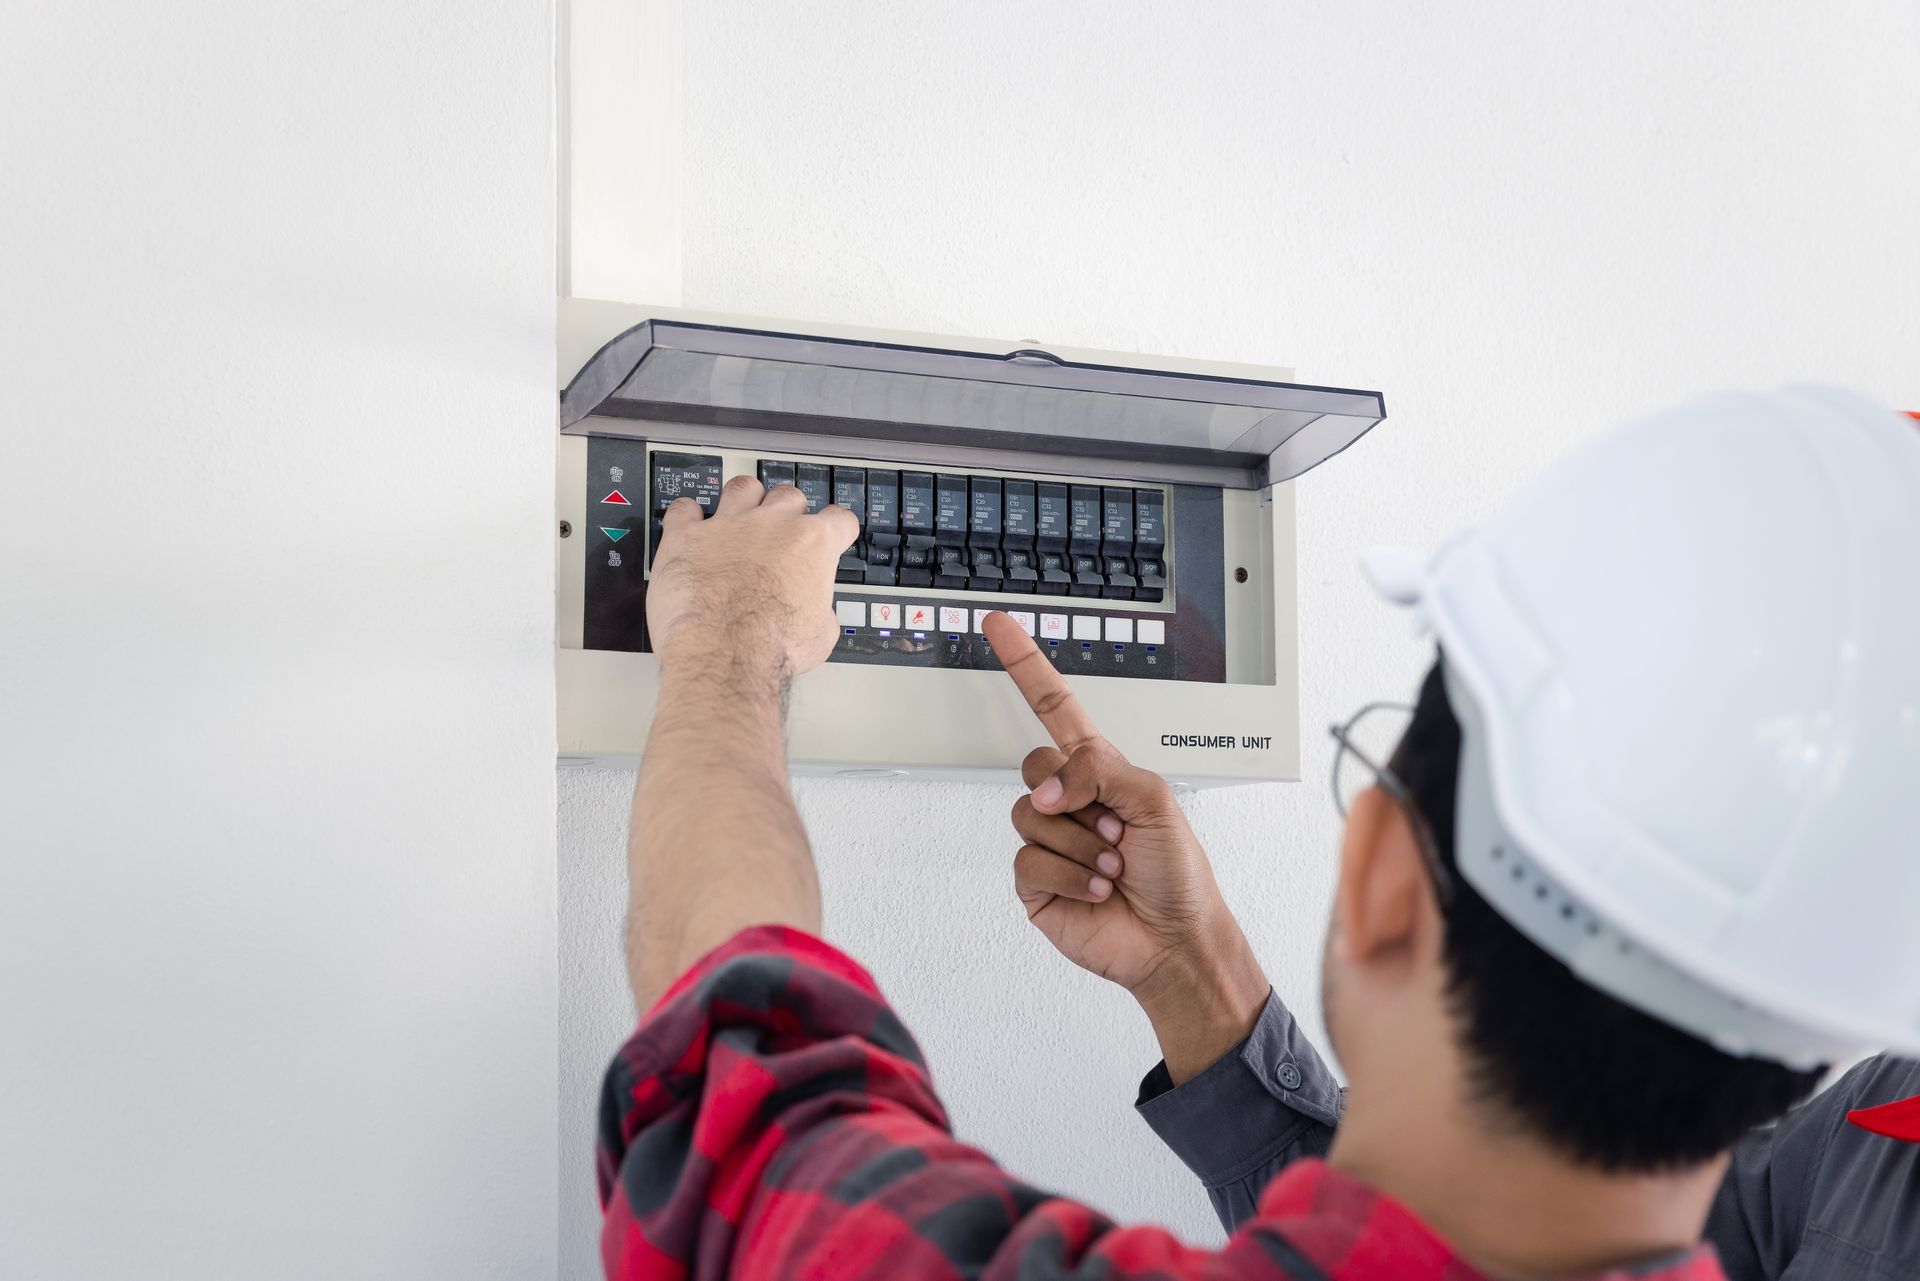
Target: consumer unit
<point>1132,513</point>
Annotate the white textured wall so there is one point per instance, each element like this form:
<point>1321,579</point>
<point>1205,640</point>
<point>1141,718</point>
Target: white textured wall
<point>1519,221</point>
<point>276,712</point>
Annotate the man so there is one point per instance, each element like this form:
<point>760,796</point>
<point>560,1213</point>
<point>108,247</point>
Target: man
<point>1831,1191</point>
<point>771,1118</point>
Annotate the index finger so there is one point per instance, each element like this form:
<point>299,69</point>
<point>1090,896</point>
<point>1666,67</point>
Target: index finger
<point>1044,688</point>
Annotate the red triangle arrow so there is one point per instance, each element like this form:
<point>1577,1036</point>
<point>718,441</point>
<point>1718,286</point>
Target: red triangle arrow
<point>1897,1120</point>
<point>617,498</point>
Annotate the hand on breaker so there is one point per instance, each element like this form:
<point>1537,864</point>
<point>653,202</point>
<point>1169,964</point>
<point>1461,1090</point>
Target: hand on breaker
<point>1112,874</point>
<point>738,605</point>
<point>753,585</point>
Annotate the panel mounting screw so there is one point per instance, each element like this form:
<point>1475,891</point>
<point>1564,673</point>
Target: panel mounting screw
<point>1240,574</point>
<point>566,529</point>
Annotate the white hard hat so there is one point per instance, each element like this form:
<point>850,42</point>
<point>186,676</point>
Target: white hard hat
<point>1686,664</point>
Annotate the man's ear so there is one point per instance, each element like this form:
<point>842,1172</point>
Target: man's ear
<point>1383,885</point>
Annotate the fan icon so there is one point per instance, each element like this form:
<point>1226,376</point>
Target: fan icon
<point>617,473</point>
<point>613,559</point>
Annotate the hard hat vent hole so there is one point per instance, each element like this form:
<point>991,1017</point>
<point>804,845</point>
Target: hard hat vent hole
<point>1558,910</point>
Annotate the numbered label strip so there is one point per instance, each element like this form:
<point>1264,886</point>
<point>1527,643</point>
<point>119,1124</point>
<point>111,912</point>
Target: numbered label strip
<point>943,634</point>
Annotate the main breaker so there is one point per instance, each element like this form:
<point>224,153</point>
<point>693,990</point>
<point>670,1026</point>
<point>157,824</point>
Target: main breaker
<point>1131,513</point>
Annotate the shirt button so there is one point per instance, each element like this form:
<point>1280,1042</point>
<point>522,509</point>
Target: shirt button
<point>1289,1076</point>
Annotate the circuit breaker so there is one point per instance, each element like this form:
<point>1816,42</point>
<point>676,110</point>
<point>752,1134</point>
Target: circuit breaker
<point>1132,514</point>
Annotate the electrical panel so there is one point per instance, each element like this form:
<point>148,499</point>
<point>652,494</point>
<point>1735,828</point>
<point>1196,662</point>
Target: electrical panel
<point>1132,515</point>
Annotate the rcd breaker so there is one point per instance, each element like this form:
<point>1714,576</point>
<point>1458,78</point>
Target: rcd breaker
<point>1132,513</point>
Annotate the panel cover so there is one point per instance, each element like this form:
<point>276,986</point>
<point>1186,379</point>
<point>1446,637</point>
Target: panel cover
<point>797,392</point>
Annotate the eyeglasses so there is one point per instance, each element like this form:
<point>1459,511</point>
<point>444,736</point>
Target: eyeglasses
<point>1369,737</point>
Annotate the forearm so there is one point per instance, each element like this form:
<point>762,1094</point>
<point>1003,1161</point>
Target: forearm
<point>715,844</point>
<point>1203,1000</point>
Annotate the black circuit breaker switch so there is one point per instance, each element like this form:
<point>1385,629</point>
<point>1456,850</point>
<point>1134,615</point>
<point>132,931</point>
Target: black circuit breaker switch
<point>695,476</point>
<point>883,508</point>
<point>850,492</point>
<point>1083,540</point>
<point>916,528</point>
<point>1019,529</point>
<point>1116,543</point>
<point>883,526</point>
<point>984,570</point>
<point>1051,522</point>
<point>775,471</point>
<point>1149,544</point>
<point>1152,578</point>
<point>816,482</point>
<point>1151,571</point>
<point>950,512</point>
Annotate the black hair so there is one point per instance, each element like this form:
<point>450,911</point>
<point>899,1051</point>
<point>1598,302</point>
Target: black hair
<point>1601,1082</point>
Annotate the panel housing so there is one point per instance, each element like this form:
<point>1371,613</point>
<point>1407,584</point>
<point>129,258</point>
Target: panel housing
<point>1167,600</point>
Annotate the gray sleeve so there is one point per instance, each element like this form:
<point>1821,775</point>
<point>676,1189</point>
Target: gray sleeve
<point>1759,1216</point>
<point>1265,1103</point>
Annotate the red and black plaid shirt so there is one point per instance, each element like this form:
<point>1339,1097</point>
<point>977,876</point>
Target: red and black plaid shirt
<point>771,1119</point>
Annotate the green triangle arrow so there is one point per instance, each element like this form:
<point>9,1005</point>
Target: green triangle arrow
<point>615,534</point>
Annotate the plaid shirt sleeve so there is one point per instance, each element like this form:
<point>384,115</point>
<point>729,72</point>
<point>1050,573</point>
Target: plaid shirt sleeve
<point>772,1118</point>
